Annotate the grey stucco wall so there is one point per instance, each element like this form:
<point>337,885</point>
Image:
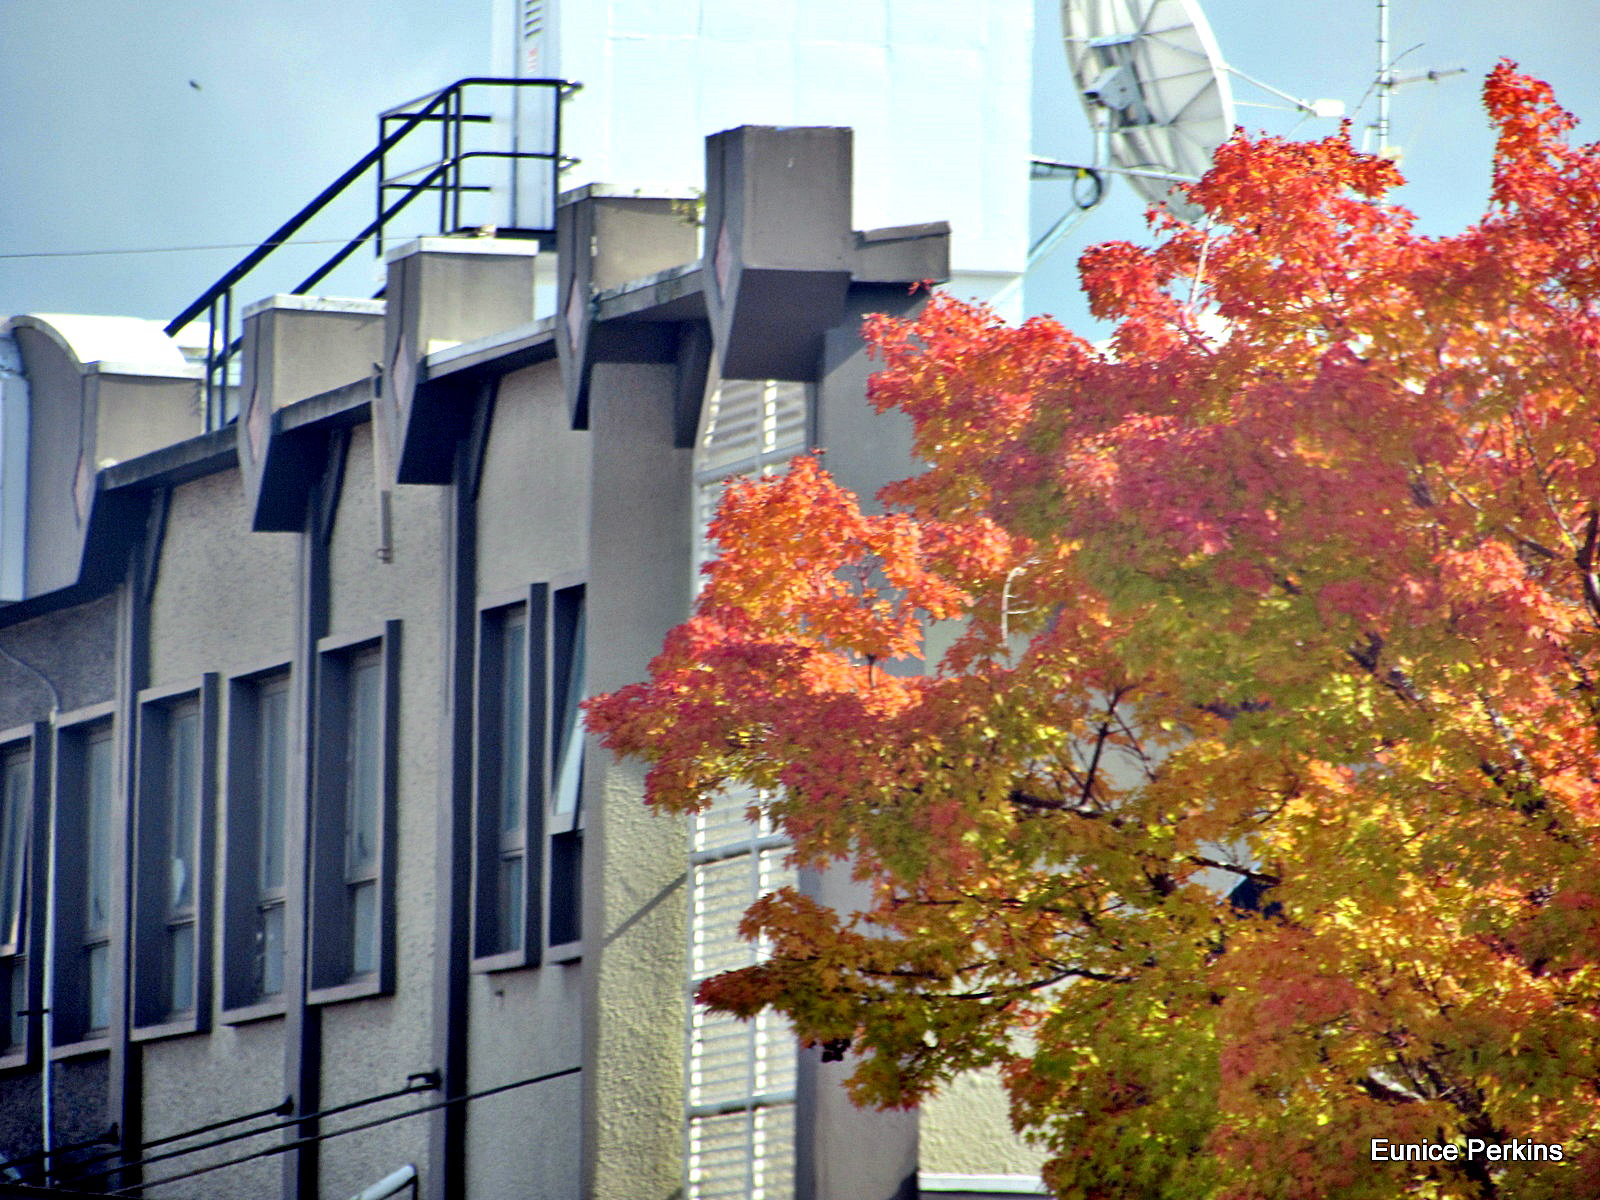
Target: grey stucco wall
<point>196,1079</point>
<point>533,520</point>
<point>75,649</point>
<point>533,498</point>
<point>223,601</point>
<point>224,598</point>
<point>966,1129</point>
<point>20,1115</point>
<point>370,1045</point>
<point>525,1142</point>
<point>79,1104</point>
<point>635,862</point>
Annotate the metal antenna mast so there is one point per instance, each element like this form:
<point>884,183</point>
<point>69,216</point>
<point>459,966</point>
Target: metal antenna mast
<point>1385,82</point>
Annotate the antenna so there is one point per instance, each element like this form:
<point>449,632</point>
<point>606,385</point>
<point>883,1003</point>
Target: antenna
<point>1159,97</point>
<point>1385,77</point>
<point>1154,87</point>
<point>1385,82</point>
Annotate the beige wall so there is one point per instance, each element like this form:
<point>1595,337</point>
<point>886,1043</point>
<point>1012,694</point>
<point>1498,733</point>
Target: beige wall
<point>533,500</point>
<point>533,524</point>
<point>225,597</point>
<point>370,1045</point>
<point>224,601</point>
<point>635,863</point>
<point>966,1130</point>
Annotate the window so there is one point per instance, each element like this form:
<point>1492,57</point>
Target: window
<point>567,632</point>
<point>352,869</point>
<point>741,1074</point>
<point>258,790</point>
<point>85,831</point>
<point>529,772</point>
<point>740,1095</point>
<point>506,763</point>
<point>18,826</point>
<point>172,868</point>
<point>750,427</point>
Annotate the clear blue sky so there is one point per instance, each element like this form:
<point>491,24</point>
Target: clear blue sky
<point>1328,48</point>
<point>105,144</point>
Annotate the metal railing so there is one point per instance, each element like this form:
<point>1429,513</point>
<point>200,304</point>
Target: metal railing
<point>526,116</point>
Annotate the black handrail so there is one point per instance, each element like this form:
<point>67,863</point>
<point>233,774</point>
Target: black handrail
<point>360,167</point>
<point>445,106</point>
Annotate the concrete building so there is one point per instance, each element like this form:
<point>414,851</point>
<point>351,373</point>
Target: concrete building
<point>307,876</point>
<point>940,96</point>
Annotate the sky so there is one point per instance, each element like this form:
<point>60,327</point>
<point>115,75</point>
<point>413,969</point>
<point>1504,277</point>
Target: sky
<point>136,124</point>
<point>154,124</point>
<point>1328,48</point>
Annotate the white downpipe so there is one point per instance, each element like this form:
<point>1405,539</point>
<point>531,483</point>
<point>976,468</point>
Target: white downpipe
<point>389,1185</point>
<point>48,1017</point>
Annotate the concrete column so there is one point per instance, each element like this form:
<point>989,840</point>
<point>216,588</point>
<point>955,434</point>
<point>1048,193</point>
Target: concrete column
<point>634,874</point>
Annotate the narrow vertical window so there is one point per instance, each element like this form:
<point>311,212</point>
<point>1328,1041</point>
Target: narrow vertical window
<point>171,872</point>
<point>362,769</point>
<point>567,656</point>
<point>96,944</point>
<point>352,865</point>
<point>87,853</point>
<point>16,819</point>
<point>529,778</point>
<point>512,782</point>
<point>182,792</point>
<point>567,635</point>
<point>254,895</point>
<point>270,775</point>
<point>505,773</point>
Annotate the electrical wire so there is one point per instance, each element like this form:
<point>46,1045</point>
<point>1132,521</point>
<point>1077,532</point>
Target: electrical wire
<point>246,1134</point>
<point>170,249</point>
<point>362,1127</point>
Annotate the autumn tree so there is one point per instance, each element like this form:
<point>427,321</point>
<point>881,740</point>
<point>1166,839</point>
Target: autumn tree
<point>1248,810</point>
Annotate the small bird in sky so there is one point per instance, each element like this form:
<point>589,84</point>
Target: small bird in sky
<point>194,85</point>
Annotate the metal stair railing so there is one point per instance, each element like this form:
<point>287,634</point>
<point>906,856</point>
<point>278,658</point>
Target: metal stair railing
<point>447,108</point>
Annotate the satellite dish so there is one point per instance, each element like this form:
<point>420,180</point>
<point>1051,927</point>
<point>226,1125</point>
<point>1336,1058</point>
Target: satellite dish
<point>1155,87</point>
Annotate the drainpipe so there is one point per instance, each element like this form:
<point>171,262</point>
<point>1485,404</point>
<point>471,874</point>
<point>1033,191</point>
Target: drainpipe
<point>390,1185</point>
<point>47,1017</point>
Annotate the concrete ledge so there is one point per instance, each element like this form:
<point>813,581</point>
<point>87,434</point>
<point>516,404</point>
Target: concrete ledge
<point>955,1186</point>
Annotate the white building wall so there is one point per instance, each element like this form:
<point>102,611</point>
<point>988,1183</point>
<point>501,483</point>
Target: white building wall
<point>938,92</point>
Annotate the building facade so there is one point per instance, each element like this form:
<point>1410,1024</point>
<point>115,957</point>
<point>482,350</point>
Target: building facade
<point>308,878</point>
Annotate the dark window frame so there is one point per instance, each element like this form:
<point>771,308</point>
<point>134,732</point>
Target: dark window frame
<point>243,895</point>
<point>28,945</point>
<point>156,915</point>
<point>331,976</point>
<point>550,841</point>
<point>491,845</point>
<point>563,893</point>
<point>75,731</point>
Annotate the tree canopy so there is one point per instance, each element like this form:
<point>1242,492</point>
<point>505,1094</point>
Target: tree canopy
<point>1248,809</point>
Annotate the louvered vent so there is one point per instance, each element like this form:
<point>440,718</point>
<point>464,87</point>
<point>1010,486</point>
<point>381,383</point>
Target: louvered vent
<point>752,423</point>
<point>741,1073</point>
<point>753,427</point>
